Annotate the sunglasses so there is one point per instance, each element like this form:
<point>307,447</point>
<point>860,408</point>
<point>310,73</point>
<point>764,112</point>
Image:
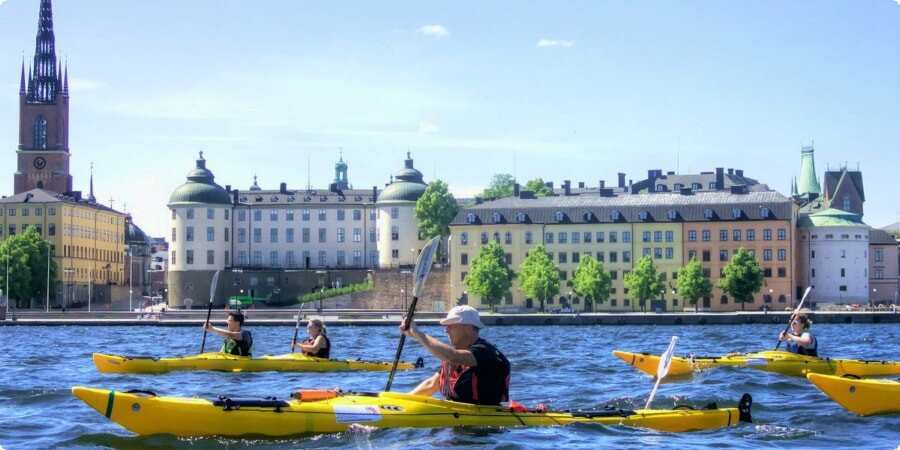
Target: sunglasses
<point>795,323</point>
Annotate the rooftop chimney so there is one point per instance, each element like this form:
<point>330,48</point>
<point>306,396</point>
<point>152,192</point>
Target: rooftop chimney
<point>581,185</point>
<point>283,188</point>
<point>621,180</point>
<point>567,188</point>
<point>720,178</point>
<point>602,184</point>
<point>516,190</point>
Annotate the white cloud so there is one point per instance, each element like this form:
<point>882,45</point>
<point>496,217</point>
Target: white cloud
<point>433,30</point>
<point>897,2</point>
<point>560,43</point>
<point>427,128</point>
<point>81,84</point>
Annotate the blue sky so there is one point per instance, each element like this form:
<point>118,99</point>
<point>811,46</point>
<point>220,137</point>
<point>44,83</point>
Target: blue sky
<point>576,90</point>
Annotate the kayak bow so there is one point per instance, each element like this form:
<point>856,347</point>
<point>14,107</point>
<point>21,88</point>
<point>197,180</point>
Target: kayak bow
<point>864,397</point>
<point>291,362</point>
<point>785,363</point>
<point>145,413</point>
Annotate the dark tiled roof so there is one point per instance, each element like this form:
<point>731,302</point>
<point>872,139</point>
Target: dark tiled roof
<point>42,196</point>
<point>306,196</point>
<point>881,237</point>
<point>656,206</point>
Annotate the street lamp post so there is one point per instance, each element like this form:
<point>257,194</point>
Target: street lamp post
<point>130,276</point>
<point>48,277</point>
<point>7,279</point>
<point>69,271</point>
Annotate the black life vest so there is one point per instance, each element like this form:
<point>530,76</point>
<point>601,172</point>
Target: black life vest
<point>323,352</point>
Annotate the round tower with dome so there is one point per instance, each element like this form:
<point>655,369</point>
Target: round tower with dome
<point>199,241</point>
<point>398,234</point>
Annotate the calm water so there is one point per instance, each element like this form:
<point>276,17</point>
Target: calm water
<point>563,367</point>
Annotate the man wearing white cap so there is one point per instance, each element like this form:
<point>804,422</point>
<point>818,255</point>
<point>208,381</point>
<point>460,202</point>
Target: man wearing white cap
<point>472,370</point>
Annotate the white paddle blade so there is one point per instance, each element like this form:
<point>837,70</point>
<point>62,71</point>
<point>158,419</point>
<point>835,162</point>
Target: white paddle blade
<point>423,264</point>
<point>212,285</point>
<point>665,360</point>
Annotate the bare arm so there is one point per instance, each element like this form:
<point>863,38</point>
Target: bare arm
<point>427,387</point>
<point>441,350</point>
<point>317,345</point>
<point>235,335</point>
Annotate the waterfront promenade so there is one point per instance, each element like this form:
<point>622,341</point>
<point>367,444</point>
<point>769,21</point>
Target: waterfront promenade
<point>389,317</point>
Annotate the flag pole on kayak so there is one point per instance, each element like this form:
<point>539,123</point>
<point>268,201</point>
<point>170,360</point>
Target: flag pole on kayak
<point>665,361</point>
<point>212,295</point>
<point>423,266</point>
<point>794,315</point>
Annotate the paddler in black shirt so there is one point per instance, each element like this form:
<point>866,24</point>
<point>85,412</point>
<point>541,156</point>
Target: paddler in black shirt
<point>238,341</point>
<point>472,370</point>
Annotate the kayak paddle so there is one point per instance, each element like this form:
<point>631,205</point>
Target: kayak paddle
<point>212,295</point>
<point>796,312</point>
<point>297,327</point>
<point>665,361</point>
<point>423,266</point>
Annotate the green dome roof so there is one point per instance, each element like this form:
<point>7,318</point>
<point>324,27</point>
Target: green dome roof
<point>200,188</point>
<point>831,217</point>
<point>407,187</point>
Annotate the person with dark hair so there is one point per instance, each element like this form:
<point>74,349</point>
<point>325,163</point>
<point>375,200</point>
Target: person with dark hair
<point>237,340</point>
<point>799,339</point>
<point>472,369</point>
<point>318,344</point>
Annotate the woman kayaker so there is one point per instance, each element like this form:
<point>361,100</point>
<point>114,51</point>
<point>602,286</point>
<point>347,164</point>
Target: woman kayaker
<point>799,340</point>
<point>318,344</point>
<point>237,340</point>
<point>472,370</point>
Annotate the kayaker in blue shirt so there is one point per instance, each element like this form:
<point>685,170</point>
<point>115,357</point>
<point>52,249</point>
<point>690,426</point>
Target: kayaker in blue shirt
<point>472,369</point>
<point>799,340</point>
<point>237,340</point>
<point>318,344</point>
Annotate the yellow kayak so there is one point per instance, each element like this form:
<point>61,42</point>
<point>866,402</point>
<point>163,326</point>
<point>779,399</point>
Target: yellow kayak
<point>307,412</point>
<point>864,397</point>
<point>786,363</point>
<point>291,362</point>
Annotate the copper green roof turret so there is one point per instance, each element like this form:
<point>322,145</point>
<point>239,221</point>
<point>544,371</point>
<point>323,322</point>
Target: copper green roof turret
<point>340,173</point>
<point>255,186</point>
<point>808,183</point>
<point>200,188</point>
<point>794,187</point>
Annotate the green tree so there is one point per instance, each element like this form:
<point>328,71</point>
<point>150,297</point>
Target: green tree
<point>643,282</point>
<point>539,188</point>
<point>692,284</point>
<point>741,277</point>
<point>591,280</point>
<point>490,277</point>
<point>539,276</point>
<point>28,256</point>
<point>502,185</point>
<point>435,210</point>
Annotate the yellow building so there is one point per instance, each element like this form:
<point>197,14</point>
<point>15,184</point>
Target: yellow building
<point>672,218</point>
<point>87,239</point>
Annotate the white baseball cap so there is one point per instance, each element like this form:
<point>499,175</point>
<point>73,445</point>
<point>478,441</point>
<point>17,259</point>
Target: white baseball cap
<point>465,315</point>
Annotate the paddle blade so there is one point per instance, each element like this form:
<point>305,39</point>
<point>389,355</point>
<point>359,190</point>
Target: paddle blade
<point>665,360</point>
<point>212,286</point>
<point>423,265</point>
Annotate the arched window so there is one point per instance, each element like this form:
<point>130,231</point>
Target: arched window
<point>672,214</point>
<point>40,132</point>
<point>40,185</point>
<point>559,216</point>
<point>495,217</point>
<point>497,237</point>
<point>643,215</point>
<point>520,217</point>
<point>470,218</point>
<point>660,188</point>
<point>615,216</point>
<point>484,237</point>
<point>528,237</point>
<point>696,186</point>
<point>736,213</point>
<point>678,186</point>
<point>464,239</point>
<point>588,216</point>
<point>508,238</point>
<point>708,214</point>
<point>764,213</point>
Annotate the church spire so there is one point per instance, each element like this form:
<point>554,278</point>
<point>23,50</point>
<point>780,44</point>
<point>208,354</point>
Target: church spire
<point>808,183</point>
<point>91,196</point>
<point>22,82</point>
<point>45,75</point>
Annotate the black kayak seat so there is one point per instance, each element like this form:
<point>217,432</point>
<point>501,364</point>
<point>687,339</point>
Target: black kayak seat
<point>229,403</point>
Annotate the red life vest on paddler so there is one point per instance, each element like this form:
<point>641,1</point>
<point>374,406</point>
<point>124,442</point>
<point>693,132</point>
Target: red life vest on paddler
<point>485,384</point>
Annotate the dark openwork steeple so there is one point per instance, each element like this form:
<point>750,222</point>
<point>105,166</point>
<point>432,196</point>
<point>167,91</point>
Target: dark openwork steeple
<point>45,78</point>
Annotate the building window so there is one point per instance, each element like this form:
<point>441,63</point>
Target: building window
<point>340,214</point>
<point>751,235</point>
<point>576,237</point>
<point>767,255</point>
<point>210,234</point>
<point>647,251</point>
<point>242,236</point>
<point>520,217</point>
<point>559,216</point>
<point>464,239</point>
<point>357,214</point>
<point>497,237</point>
<point>174,235</point>
<point>626,256</point>
<point>672,214</point>
<point>613,237</point>
<point>189,257</point>
<point>767,234</point>
<point>395,232</point>
<point>736,235</point>
<point>210,257</point>
<point>670,253</point>
<point>736,213</point>
<point>782,254</point>
<point>587,237</point>
<point>692,236</point>
<point>273,235</point>
<point>657,236</point>
<point>563,237</point>
<point>723,235</point>
<point>305,215</point>
<point>323,235</point>
<point>495,217</point>
<point>708,214</point>
<point>40,132</point>
<point>846,203</point>
<point>357,258</point>
<point>645,236</point>
<point>601,256</point>
<point>723,255</point>
<point>273,215</point>
<point>464,259</point>
<point>879,255</point>
<point>764,213</point>
<point>289,235</point>
<point>707,236</point>
<point>189,234</point>
<point>373,235</point>
<point>706,256</point>
<point>341,237</point>
<point>548,238</point>
<point>626,237</point>
<point>601,236</point>
<point>210,213</point>
<point>395,253</point>
<point>615,216</point>
<point>643,215</point>
<point>257,235</point>
<point>528,237</point>
<point>51,229</point>
<point>242,216</point>
<point>190,213</point>
<point>508,238</point>
<point>323,215</point>
<point>357,235</point>
<point>395,213</point>
<point>470,218</point>
<point>782,234</point>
